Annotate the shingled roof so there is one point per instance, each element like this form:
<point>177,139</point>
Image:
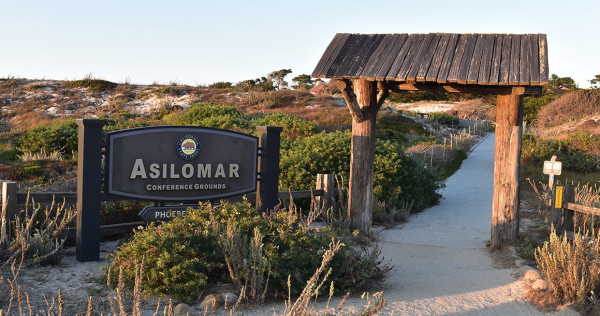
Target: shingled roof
<point>470,59</point>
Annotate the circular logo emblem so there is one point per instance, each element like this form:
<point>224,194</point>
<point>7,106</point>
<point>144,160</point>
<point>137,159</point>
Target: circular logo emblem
<point>188,147</point>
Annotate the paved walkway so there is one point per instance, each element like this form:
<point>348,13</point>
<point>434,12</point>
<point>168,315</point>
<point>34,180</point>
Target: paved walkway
<point>442,264</point>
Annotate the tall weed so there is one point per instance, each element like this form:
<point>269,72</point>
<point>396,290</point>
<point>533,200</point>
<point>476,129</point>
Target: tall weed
<point>571,268</point>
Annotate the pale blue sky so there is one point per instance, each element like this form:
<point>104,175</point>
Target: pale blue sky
<point>201,42</point>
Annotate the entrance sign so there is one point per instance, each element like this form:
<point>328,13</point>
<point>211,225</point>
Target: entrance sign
<point>180,163</point>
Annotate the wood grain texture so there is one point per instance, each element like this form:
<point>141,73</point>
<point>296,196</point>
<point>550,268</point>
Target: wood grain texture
<point>474,59</point>
<point>515,57</point>
<point>400,59</point>
<point>505,61</point>
<point>378,57</point>
<point>535,62</point>
<point>483,76</point>
<point>410,57</point>
<point>496,61</point>
<point>543,58</point>
<point>525,60</point>
<point>330,54</point>
<point>458,55</point>
<point>437,58</point>
<point>398,44</point>
<point>447,59</point>
<point>427,59</point>
<point>465,63</point>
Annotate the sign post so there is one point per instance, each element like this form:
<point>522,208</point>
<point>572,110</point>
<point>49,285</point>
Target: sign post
<point>552,168</point>
<point>89,183</point>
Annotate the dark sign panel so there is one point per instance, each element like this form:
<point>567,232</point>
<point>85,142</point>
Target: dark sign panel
<point>164,213</point>
<point>177,163</point>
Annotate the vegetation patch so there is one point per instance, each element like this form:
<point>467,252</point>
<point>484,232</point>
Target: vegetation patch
<point>184,256</point>
<point>97,85</point>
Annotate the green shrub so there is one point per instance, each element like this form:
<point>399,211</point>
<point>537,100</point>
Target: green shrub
<point>32,171</point>
<point>116,125</point>
<point>9,156</point>
<point>444,118</point>
<point>536,150</point>
<point>97,85</point>
<point>397,176</point>
<point>210,115</point>
<point>180,257</point>
<point>183,256</point>
<point>61,137</point>
<point>533,105</point>
<point>391,126</point>
<point>221,85</point>
<point>293,127</point>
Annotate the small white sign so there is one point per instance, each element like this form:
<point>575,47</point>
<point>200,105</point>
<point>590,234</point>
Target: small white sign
<point>552,167</point>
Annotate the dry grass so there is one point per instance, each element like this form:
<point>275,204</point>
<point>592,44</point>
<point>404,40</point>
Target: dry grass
<point>476,109</point>
<point>570,107</point>
<point>571,267</point>
<point>434,155</point>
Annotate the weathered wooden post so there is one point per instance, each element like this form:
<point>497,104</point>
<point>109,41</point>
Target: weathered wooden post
<point>325,182</point>
<point>89,184</point>
<point>9,207</point>
<point>364,99</point>
<point>509,130</point>
<point>267,190</point>
<point>569,214</point>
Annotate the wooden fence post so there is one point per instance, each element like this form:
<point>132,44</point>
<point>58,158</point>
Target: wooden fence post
<point>325,182</point>
<point>9,198</point>
<point>569,197</point>
<point>9,207</point>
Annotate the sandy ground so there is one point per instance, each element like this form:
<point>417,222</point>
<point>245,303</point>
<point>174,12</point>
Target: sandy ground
<point>442,266</point>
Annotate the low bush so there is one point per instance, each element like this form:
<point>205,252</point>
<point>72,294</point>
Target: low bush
<point>221,85</point>
<point>61,137</point>
<point>570,152</point>
<point>444,118</point>
<point>184,256</point>
<point>397,177</point>
<point>210,115</point>
<point>32,171</point>
<point>293,127</point>
<point>97,85</point>
<point>533,105</point>
<point>391,126</point>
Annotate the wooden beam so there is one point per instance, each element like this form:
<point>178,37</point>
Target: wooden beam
<point>457,88</point>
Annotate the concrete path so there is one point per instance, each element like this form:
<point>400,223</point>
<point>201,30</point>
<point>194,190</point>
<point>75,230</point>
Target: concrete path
<point>442,264</point>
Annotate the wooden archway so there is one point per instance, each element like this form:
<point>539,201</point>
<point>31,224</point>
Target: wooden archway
<point>368,66</point>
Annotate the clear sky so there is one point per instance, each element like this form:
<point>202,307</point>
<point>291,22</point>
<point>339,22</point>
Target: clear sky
<point>202,42</point>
